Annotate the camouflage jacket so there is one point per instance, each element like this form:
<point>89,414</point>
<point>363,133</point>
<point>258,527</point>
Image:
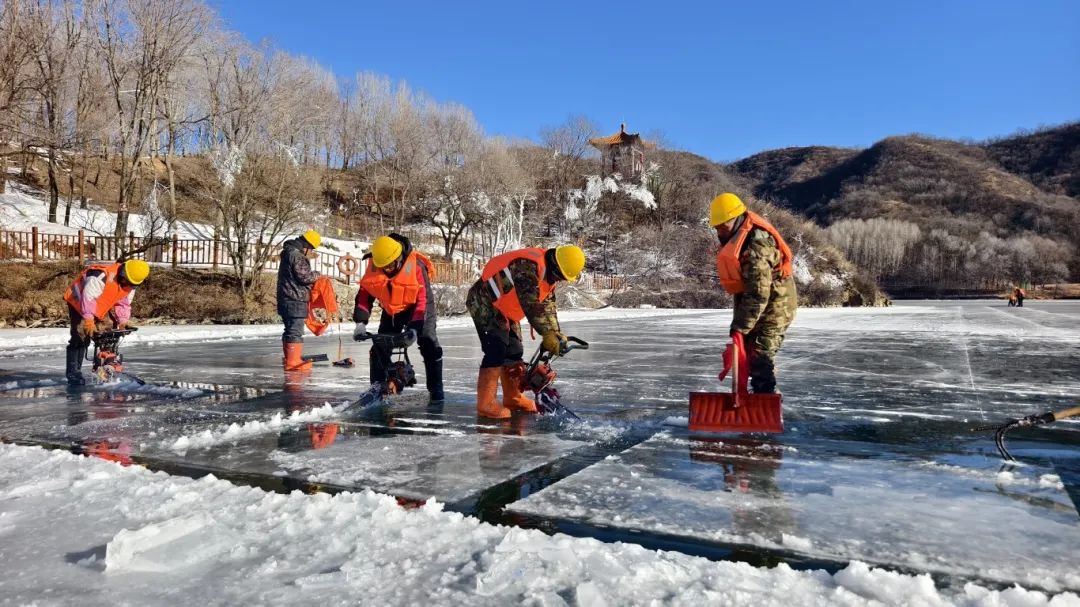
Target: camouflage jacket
<point>763,285</point>
<point>542,315</point>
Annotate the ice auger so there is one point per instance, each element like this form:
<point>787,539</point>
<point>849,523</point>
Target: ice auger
<point>1027,422</point>
<point>107,360</point>
<point>393,354</point>
<point>538,377</point>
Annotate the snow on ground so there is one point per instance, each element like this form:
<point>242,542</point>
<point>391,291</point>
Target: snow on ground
<point>86,530</point>
<point>26,341</point>
<point>23,208</point>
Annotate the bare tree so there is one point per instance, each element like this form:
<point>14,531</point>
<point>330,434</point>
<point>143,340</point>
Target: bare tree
<point>142,42</point>
<point>181,108</point>
<point>879,246</point>
<point>262,189</point>
<point>567,144</point>
<point>16,84</point>
<point>455,197</point>
<point>55,37</point>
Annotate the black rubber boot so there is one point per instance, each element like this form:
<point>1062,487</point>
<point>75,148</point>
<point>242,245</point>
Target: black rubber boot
<point>376,370</point>
<point>433,377</point>
<point>74,365</point>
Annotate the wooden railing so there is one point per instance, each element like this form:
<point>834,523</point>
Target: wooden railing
<point>36,246</point>
<point>602,282</point>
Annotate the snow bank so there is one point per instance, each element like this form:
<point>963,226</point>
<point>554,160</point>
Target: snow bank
<point>22,341</point>
<point>25,341</point>
<point>86,530</point>
<point>234,432</point>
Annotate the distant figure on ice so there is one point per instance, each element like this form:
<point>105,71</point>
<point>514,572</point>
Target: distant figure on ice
<point>1018,296</point>
<point>294,281</point>
<point>399,278</point>
<point>99,291</point>
<point>516,285</point>
<point>754,265</point>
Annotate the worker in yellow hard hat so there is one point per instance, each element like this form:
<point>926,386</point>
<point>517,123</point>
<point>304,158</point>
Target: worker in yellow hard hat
<point>294,281</point>
<point>399,278</point>
<point>100,291</point>
<point>513,286</point>
<point>754,265</point>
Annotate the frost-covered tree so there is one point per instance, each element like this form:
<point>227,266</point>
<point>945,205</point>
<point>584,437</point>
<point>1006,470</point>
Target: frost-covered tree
<point>261,190</point>
<point>141,43</point>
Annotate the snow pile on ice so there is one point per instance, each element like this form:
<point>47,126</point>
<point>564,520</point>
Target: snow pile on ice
<point>209,541</point>
<point>22,384</point>
<point>26,341</point>
<point>22,341</point>
<point>234,432</point>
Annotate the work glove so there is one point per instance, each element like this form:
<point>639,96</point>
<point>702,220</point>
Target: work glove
<point>410,335</point>
<point>554,342</point>
<point>88,327</point>
<point>359,331</point>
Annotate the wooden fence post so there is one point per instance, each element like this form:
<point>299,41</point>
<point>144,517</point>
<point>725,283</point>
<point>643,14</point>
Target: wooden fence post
<point>175,251</point>
<point>33,244</point>
<point>216,245</point>
<point>82,248</point>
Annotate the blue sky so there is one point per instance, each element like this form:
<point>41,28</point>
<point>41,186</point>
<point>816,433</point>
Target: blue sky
<point>722,79</point>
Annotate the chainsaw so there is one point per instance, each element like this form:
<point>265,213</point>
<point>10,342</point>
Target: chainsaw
<point>107,360</point>
<point>538,376</point>
<point>393,354</point>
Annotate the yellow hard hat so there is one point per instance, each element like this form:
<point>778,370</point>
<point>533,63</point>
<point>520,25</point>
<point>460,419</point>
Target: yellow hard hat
<point>571,260</point>
<point>724,208</point>
<point>313,238</point>
<point>384,251</point>
<point>136,271</point>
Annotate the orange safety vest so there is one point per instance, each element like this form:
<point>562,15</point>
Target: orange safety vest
<point>397,293</point>
<point>322,297</point>
<point>110,296</point>
<point>507,302</point>
<point>728,266</point>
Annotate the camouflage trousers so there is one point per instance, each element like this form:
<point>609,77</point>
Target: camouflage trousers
<point>500,337</point>
<point>765,339</point>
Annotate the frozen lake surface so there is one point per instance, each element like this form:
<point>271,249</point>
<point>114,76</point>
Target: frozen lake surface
<point>879,461</point>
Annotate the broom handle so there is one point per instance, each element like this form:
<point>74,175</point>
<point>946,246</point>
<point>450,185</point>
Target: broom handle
<point>735,371</point>
<point>1071,412</point>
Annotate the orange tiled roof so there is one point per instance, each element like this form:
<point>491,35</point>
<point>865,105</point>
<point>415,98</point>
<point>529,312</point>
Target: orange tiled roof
<point>619,138</point>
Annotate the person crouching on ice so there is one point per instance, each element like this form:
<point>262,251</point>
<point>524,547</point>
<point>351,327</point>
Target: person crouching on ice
<point>294,281</point>
<point>754,265</point>
<point>399,278</point>
<point>516,285</point>
<point>99,291</point>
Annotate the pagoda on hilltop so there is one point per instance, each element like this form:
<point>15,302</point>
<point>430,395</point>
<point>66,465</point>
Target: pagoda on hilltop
<point>622,153</point>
